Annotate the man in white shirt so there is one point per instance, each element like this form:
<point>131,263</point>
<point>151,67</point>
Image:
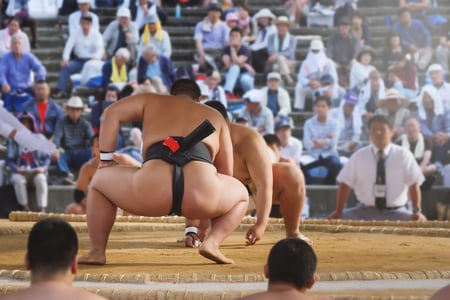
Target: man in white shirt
<point>436,73</point>
<point>291,147</point>
<point>75,17</point>
<point>382,176</point>
<point>86,44</point>
<point>275,97</point>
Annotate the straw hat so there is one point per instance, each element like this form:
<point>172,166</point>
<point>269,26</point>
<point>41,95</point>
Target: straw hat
<point>283,20</point>
<point>75,102</point>
<point>264,13</point>
<point>393,94</point>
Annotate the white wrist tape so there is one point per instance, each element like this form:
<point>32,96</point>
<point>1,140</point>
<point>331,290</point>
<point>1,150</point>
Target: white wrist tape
<point>108,156</point>
<point>191,229</point>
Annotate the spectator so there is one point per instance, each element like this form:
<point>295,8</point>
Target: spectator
<point>275,97</point>
<point>143,8</point>
<point>290,270</point>
<point>247,24</point>
<point>115,71</point>
<point>360,28</point>
<point>12,29</point>
<point>342,48</point>
<point>406,72</point>
<point>360,70</point>
<point>121,33</point>
<point>15,74</point>
<point>349,118</point>
<point>296,10</point>
<point>19,10</point>
<point>415,38</point>
<point>216,91</point>
<point>392,81</point>
<point>237,59</point>
<point>382,176</point>
<point>153,65</point>
<point>259,117</point>
<point>394,107</point>
<point>83,45</point>
<point>417,9</point>
<point>150,85</point>
<point>111,96</point>
<point>46,112</point>
<point>52,259</point>
<point>28,167</point>
<point>329,88</point>
<point>315,65</point>
<point>371,93</point>
<point>211,35</point>
<point>281,47</point>
<point>320,136</point>
<point>155,34</point>
<point>392,48</point>
<point>412,140</point>
<point>87,171</point>
<point>442,53</point>
<point>436,73</point>
<point>291,147</point>
<point>435,123</point>
<point>75,18</point>
<point>232,20</point>
<point>264,18</point>
<point>73,137</point>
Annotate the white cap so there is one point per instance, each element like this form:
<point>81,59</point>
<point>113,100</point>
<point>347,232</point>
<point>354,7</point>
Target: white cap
<point>75,102</point>
<point>435,67</point>
<point>124,12</point>
<point>316,45</point>
<point>253,96</point>
<point>274,75</point>
<point>83,1</point>
<point>264,13</point>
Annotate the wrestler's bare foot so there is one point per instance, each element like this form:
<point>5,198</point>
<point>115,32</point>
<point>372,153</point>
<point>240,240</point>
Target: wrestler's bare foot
<point>214,254</point>
<point>92,258</point>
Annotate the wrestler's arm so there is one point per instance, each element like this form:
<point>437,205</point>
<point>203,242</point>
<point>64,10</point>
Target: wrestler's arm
<point>87,171</point>
<point>259,167</point>
<point>125,110</point>
<point>224,157</point>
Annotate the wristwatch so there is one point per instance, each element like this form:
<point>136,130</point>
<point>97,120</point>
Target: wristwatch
<point>417,210</point>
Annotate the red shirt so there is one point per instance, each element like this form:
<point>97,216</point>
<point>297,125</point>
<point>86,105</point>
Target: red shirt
<point>42,109</point>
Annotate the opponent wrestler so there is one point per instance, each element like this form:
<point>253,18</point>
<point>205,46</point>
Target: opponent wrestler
<point>198,167</point>
<point>87,171</point>
<point>278,183</point>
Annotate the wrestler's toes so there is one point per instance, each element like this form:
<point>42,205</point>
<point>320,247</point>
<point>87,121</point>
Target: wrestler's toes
<point>91,259</point>
<point>214,255</point>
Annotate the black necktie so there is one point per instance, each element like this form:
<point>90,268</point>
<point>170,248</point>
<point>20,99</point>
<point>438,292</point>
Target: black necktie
<point>380,202</point>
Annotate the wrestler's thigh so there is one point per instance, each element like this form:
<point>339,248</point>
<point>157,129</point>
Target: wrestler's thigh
<point>286,176</point>
<point>115,183</point>
<point>217,197</point>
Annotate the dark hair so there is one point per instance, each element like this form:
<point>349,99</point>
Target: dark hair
<point>217,105</point>
<point>40,81</point>
<point>52,246</point>
<point>186,87</point>
<point>113,88</point>
<point>402,10</point>
<point>323,98</point>
<point>13,19</point>
<point>379,119</point>
<point>271,139</point>
<point>238,30</point>
<point>94,137</point>
<point>292,261</point>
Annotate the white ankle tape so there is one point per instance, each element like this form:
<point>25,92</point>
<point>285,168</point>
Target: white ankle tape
<point>190,229</point>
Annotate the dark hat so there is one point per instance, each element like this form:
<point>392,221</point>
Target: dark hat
<point>214,6</point>
<point>283,122</point>
<point>364,50</point>
<point>344,21</point>
<point>326,79</point>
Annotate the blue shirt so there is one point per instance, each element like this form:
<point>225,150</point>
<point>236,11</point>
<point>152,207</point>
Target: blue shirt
<point>53,115</point>
<point>212,36</point>
<point>154,69</point>
<point>317,130</point>
<point>415,35</point>
<point>16,72</point>
<point>272,102</point>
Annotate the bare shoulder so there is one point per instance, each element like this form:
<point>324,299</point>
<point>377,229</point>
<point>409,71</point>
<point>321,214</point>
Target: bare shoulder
<point>245,139</point>
<point>82,294</point>
<point>89,167</point>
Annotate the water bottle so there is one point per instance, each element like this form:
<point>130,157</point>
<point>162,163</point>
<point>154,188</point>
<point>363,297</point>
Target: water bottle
<point>178,11</point>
